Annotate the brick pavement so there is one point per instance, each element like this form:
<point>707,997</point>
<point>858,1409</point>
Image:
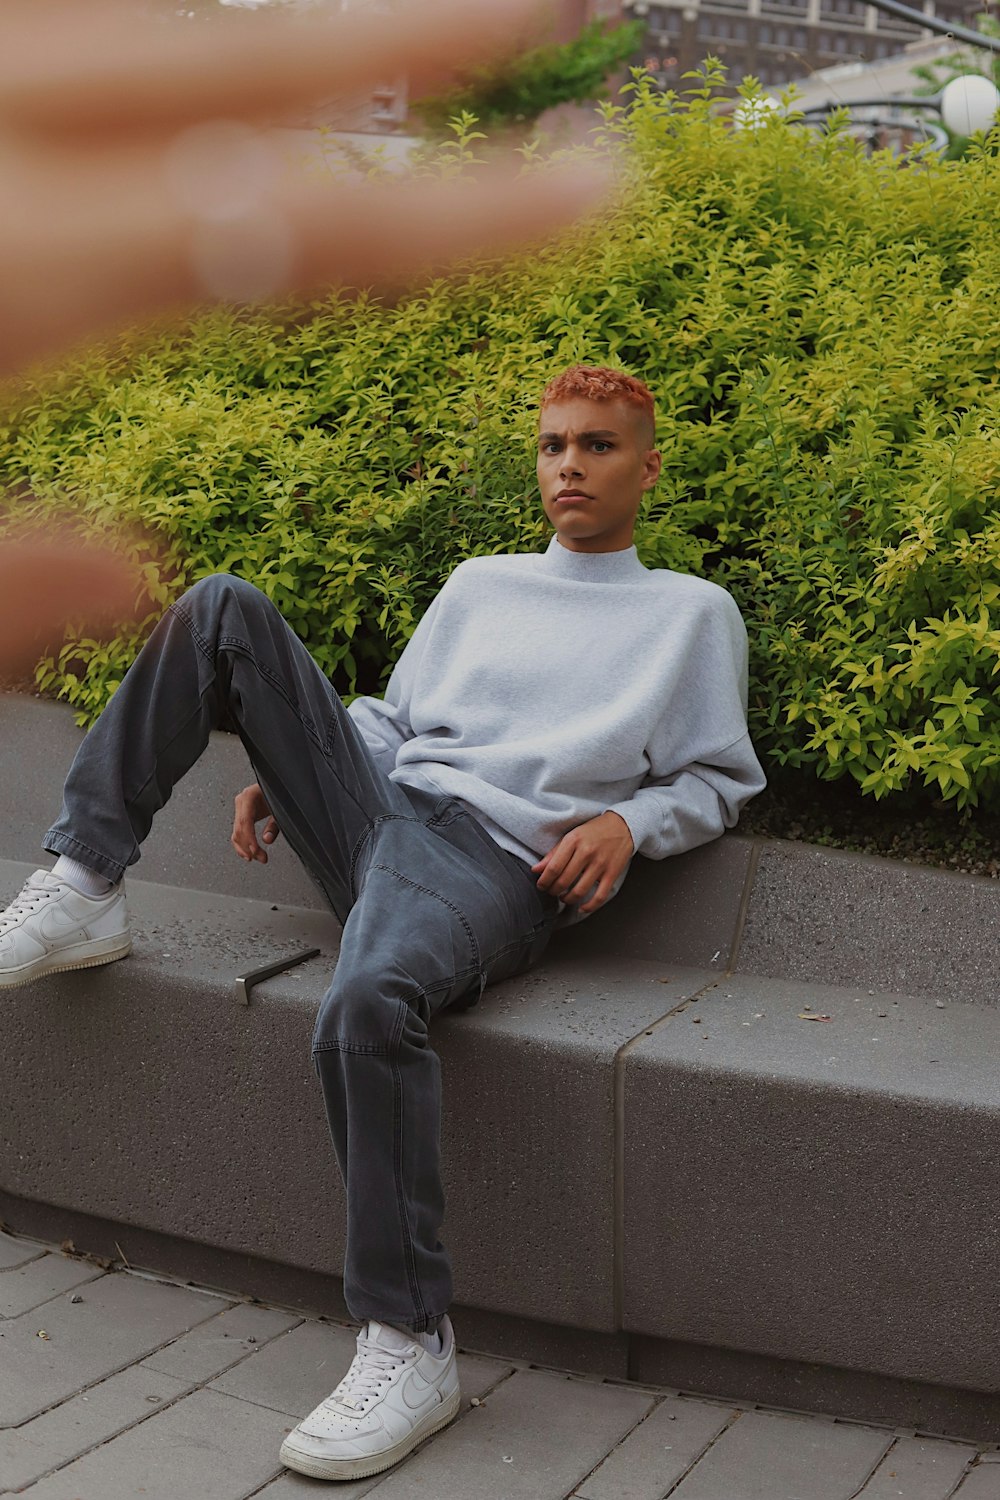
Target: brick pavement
<point>117,1385</point>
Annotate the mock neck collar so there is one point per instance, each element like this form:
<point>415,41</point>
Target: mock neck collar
<point>592,567</point>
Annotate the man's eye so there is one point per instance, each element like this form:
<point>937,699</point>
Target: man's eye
<point>601,445</point>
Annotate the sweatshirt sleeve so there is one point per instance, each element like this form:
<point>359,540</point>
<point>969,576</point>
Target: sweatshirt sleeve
<point>384,722</point>
<point>703,768</point>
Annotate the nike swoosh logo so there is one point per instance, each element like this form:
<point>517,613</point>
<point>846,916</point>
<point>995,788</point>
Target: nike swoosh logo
<point>415,1391</point>
<point>56,924</point>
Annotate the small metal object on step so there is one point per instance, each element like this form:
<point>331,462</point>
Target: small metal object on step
<point>246,982</point>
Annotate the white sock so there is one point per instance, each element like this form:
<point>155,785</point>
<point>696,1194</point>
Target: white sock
<point>393,1337</point>
<point>81,877</point>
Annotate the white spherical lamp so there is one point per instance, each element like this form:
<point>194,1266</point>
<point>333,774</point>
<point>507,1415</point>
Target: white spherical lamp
<point>969,103</point>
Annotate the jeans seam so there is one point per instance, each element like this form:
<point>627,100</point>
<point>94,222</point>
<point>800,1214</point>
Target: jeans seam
<point>443,820</point>
<point>237,643</point>
<point>397,1163</point>
<point>364,1049</point>
<point>364,838</point>
<point>191,627</point>
<point>455,910</point>
<point>130,800</point>
<point>510,947</point>
<point>234,643</point>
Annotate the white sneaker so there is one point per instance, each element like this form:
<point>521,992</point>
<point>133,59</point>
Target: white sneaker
<point>50,927</point>
<point>394,1395</point>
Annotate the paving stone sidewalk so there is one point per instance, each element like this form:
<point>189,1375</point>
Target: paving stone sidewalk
<point>118,1385</point>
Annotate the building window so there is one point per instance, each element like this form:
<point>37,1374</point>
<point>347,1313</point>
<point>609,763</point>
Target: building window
<point>852,10</point>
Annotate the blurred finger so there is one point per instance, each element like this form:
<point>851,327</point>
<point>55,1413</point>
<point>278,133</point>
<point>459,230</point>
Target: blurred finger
<point>387,234</point>
<point>135,249</point>
<point>83,68</point>
<point>46,584</point>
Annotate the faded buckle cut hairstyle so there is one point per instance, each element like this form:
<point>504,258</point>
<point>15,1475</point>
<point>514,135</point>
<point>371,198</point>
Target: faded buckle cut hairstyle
<point>600,383</point>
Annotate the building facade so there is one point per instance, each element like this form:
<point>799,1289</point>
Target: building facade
<point>778,40</point>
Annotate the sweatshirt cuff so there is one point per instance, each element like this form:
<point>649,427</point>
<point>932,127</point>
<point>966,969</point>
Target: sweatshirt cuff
<point>643,818</point>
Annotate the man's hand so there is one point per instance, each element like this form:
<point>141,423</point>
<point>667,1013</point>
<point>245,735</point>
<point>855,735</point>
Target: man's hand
<point>595,853</point>
<point>141,173</point>
<point>251,806</point>
<point>46,578</point>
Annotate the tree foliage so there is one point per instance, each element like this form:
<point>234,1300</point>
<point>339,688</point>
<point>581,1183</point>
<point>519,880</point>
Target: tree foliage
<point>520,89</point>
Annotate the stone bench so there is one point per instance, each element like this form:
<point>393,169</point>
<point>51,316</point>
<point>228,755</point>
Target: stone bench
<point>657,1165</point>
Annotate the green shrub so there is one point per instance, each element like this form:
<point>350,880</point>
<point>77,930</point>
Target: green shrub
<point>521,88</point>
<point>820,329</point>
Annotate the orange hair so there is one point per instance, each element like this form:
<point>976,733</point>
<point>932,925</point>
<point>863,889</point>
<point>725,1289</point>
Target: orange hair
<point>599,383</point>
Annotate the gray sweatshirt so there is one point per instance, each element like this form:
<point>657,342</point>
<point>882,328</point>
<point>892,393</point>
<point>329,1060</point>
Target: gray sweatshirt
<point>542,689</point>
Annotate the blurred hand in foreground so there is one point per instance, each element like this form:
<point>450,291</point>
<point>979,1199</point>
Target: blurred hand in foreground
<point>140,177</point>
<point>136,178</point>
<point>46,581</point>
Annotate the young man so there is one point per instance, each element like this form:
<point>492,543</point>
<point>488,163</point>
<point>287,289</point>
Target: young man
<point>552,715</point>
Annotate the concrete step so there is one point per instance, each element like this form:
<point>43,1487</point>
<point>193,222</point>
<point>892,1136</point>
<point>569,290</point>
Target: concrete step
<point>694,1180</point>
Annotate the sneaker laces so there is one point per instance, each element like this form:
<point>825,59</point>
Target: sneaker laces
<point>369,1370</point>
<point>30,899</point>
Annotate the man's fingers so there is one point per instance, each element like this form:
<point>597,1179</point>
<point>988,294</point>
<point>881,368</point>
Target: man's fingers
<point>580,879</point>
<point>98,67</point>
<point>250,808</point>
<point>244,841</point>
<point>46,583</point>
<point>563,872</point>
<point>241,837</point>
<point>136,248</point>
<point>599,897</point>
<point>380,236</point>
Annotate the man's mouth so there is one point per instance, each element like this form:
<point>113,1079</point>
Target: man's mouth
<point>565,496</point>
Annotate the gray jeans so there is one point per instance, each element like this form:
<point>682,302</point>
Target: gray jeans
<point>432,908</point>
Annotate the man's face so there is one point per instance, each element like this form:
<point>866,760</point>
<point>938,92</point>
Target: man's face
<point>595,462</point>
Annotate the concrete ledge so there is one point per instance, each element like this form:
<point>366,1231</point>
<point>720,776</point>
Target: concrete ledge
<point>824,1191</point>
<point>856,919</point>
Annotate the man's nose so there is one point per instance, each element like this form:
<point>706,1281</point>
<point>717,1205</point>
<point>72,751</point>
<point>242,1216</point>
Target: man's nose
<point>572,463</point>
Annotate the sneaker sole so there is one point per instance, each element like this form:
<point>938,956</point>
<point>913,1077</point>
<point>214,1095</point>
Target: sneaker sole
<point>360,1468</point>
<point>85,956</point>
